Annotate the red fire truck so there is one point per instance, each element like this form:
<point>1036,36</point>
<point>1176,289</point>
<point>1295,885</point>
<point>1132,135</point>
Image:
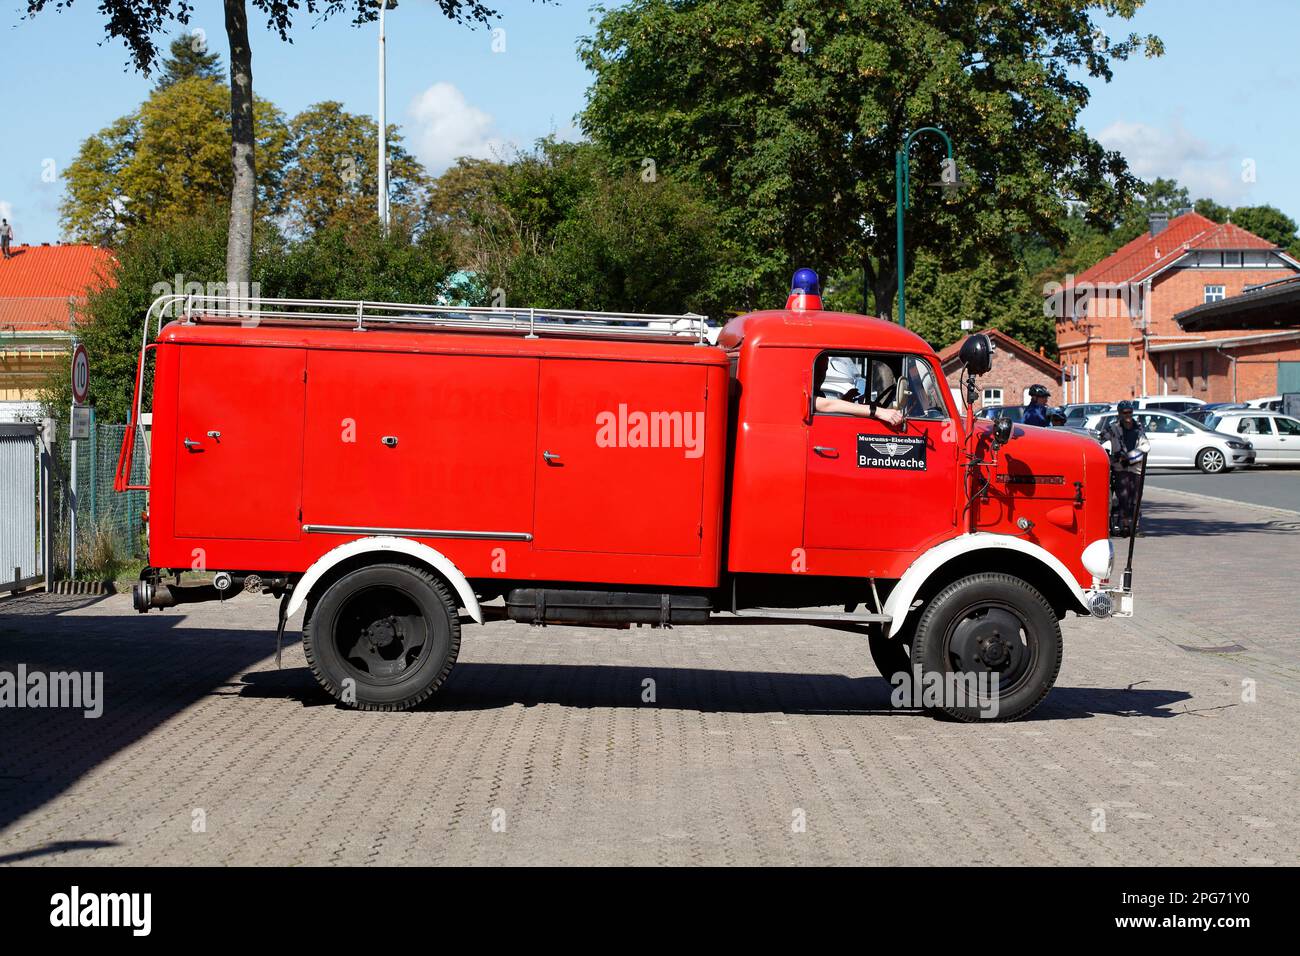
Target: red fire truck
<point>396,471</point>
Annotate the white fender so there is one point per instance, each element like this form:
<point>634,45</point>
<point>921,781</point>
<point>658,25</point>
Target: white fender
<point>379,544</point>
<point>904,593</point>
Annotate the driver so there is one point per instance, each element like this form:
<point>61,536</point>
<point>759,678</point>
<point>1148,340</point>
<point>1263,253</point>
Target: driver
<point>838,406</point>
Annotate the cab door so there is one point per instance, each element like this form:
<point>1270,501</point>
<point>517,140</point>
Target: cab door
<point>873,487</point>
<point>1288,439</point>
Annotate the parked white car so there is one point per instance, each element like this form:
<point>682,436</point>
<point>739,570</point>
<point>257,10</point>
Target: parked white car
<point>1276,437</point>
<point>1272,403</point>
<point>1180,442</point>
<point>1167,403</point>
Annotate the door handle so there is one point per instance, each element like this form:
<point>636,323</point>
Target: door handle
<point>191,444</point>
<point>551,457</point>
<point>826,451</point>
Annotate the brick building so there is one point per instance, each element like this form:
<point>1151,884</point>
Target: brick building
<point>1015,367</point>
<point>1115,326</point>
<point>41,289</point>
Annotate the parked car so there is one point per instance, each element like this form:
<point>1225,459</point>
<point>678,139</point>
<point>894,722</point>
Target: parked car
<point>1202,412</point>
<point>1014,412</point>
<point>1168,403</point>
<point>1271,403</point>
<point>1181,442</point>
<point>1076,415</point>
<point>1276,437</point>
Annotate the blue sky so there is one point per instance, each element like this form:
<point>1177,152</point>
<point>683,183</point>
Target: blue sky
<point>1223,94</point>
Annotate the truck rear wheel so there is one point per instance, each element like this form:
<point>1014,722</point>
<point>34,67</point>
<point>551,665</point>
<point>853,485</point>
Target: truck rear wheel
<point>890,655</point>
<point>991,644</point>
<point>383,637</point>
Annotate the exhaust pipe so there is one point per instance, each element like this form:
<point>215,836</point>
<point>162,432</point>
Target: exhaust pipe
<point>147,595</point>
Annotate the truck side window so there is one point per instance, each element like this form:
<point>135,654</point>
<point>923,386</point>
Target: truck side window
<point>874,379</point>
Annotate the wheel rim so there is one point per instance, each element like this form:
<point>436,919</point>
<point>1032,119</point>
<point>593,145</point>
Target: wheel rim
<point>380,634</point>
<point>990,637</point>
<point>1212,460</point>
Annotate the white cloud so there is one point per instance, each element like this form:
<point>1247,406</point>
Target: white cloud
<point>445,126</point>
<point>1174,152</point>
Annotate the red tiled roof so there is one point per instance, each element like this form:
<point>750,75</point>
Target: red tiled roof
<point>1007,344</point>
<point>1148,254</point>
<point>37,282</point>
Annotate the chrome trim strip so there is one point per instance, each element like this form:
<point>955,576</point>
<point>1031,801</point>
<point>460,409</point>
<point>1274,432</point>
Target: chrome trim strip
<point>418,532</point>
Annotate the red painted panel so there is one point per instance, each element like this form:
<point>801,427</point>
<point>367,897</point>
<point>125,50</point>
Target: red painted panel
<point>628,469</point>
<point>849,506</point>
<point>246,483</point>
<point>464,426</point>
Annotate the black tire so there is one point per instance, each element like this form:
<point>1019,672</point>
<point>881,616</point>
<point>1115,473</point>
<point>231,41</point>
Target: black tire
<point>890,655</point>
<point>1212,461</point>
<point>966,628</point>
<point>390,629</point>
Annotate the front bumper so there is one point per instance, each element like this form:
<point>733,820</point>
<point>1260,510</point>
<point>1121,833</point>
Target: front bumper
<point>1243,457</point>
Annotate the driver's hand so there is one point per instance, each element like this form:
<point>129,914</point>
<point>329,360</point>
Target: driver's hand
<point>890,416</point>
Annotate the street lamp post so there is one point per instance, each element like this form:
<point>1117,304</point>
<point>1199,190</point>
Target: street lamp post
<point>903,197</point>
<point>383,127</point>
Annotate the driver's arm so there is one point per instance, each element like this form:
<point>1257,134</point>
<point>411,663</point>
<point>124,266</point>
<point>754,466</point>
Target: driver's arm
<point>837,406</point>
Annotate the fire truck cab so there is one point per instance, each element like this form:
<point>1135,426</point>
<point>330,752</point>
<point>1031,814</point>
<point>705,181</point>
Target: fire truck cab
<point>395,472</point>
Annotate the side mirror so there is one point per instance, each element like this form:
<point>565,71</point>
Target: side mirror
<point>1001,431</point>
<point>977,354</point>
<point>904,389</point>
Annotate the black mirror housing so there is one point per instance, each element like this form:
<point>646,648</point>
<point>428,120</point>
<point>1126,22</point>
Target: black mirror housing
<point>1002,430</point>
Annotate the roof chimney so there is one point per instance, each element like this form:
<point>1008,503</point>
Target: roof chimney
<point>1158,221</point>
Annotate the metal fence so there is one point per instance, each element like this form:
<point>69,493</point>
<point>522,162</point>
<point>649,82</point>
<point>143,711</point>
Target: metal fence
<point>109,531</point>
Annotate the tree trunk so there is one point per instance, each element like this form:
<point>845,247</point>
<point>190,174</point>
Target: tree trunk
<point>883,289</point>
<point>243,193</point>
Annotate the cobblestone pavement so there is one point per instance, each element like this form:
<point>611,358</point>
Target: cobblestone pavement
<point>767,744</point>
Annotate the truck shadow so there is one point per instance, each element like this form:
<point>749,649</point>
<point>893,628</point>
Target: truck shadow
<point>484,686</point>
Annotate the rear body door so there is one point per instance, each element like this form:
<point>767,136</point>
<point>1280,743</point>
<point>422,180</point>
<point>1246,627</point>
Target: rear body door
<point>239,442</point>
<point>620,457</point>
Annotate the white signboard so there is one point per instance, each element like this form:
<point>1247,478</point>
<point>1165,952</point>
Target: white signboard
<point>80,422</point>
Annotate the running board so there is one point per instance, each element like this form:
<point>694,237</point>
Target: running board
<point>777,614</point>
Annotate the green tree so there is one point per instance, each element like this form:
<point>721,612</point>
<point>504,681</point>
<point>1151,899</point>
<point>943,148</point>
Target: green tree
<point>137,25</point>
<point>554,227</point>
<point>162,162</point>
<point>332,171</point>
<point>787,113</point>
<point>1268,223</point>
<point>188,57</point>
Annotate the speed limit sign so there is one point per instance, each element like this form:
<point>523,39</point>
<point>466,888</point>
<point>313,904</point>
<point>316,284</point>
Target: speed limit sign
<point>80,375</point>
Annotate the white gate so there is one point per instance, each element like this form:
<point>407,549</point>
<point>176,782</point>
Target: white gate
<point>24,521</point>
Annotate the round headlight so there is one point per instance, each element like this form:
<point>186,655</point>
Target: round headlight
<point>1098,558</point>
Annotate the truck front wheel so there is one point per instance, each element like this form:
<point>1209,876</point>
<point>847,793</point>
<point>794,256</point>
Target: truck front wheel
<point>988,647</point>
<point>383,637</point>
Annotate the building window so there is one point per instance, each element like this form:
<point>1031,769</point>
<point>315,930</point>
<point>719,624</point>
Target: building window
<point>1232,259</point>
<point>1210,260</point>
<point>1117,351</point>
<point>991,396</point>
<point>1255,260</point>
<point>1214,293</point>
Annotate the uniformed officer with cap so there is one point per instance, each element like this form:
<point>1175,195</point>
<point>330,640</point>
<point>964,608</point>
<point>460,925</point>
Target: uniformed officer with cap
<point>1036,413</point>
<point>1128,445</point>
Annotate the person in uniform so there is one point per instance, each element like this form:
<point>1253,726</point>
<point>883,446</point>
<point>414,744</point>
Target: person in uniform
<point>1056,418</point>
<point>1036,413</point>
<point>1124,435</point>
